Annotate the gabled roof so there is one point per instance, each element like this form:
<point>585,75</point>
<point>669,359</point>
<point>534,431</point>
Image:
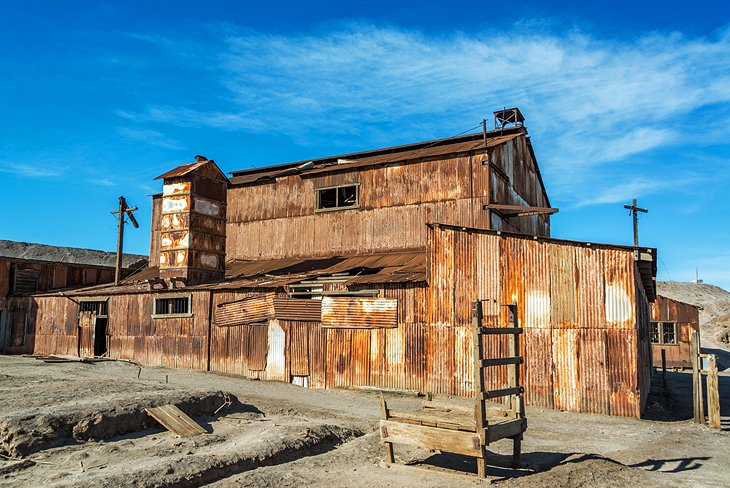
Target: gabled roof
<point>395,154</point>
<point>198,165</point>
<point>27,251</point>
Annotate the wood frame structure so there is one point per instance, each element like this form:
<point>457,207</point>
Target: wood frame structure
<point>435,431</point>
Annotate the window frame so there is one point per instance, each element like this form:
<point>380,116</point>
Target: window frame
<point>317,196</point>
<point>660,324</point>
<point>164,296</point>
<point>87,300</point>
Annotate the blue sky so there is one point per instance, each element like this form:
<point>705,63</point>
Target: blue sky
<point>622,100</point>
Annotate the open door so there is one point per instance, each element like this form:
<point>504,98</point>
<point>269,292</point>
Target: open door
<point>87,322</point>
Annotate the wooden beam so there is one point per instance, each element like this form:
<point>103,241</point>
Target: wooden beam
<point>431,438</point>
<point>501,361</point>
<point>519,210</point>
<point>486,395</point>
<point>505,430</point>
<point>713,394</point>
<point>500,330</point>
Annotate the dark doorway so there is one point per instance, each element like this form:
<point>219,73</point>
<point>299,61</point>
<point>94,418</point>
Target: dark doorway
<point>100,336</point>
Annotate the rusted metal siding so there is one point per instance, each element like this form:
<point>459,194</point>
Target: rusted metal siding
<point>359,312</point>
<point>687,318</point>
<point>297,310</point>
<point>581,306</point>
<point>247,310</point>
<point>192,224</point>
<point>396,200</point>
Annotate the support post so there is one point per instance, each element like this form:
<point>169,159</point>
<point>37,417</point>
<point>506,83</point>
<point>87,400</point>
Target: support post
<point>120,241</point>
<point>480,420</point>
<point>664,368</point>
<point>699,414</point>
<point>385,415</point>
<point>713,393</point>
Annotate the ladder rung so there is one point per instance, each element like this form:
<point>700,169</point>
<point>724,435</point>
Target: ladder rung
<point>500,330</point>
<point>501,361</point>
<point>486,395</point>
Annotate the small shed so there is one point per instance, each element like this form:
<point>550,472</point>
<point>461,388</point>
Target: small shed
<point>672,323</point>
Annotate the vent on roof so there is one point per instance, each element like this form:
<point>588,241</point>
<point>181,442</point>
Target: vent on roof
<point>508,117</point>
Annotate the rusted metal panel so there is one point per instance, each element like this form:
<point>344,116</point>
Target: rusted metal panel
<point>258,346</point>
<point>299,347</point>
<point>359,312</point>
<point>276,357</point>
<point>300,310</point>
<point>246,310</point>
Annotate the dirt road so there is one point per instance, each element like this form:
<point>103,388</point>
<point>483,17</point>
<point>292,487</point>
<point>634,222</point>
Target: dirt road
<point>72,424</point>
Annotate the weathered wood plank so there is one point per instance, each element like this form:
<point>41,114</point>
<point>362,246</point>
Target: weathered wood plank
<point>713,394</point>
<point>505,430</point>
<point>431,438</point>
<point>175,420</point>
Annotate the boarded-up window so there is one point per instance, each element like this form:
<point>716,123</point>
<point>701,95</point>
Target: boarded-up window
<point>258,346</point>
<point>359,312</point>
<point>25,280</point>
<point>258,308</point>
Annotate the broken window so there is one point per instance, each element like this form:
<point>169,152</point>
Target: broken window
<point>172,306</point>
<point>339,197</point>
<point>669,333</point>
<point>664,333</point>
<point>98,306</point>
<point>655,333</point>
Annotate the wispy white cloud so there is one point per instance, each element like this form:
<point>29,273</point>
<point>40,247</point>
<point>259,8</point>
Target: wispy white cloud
<point>152,137</point>
<point>590,102</point>
<point>29,170</point>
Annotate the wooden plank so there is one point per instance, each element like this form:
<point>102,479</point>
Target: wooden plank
<point>175,420</point>
<point>713,394</point>
<point>505,430</point>
<point>501,330</point>
<point>457,421</point>
<point>385,413</point>
<point>431,438</point>
<point>486,363</point>
<point>480,421</point>
<point>699,414</point>
<point>486,395</point>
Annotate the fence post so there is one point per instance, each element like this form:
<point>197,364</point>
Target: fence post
<point>713,393</point>
<point>699,414</point>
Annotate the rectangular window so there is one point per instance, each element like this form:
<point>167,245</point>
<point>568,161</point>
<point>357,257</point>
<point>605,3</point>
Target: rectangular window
<point>655,333</point>
<point>338,197</point>
<point>24,280</point>
<point>98,306</point>
<point>664,333</point>
<point>669,333</point>
<point>172,306</point>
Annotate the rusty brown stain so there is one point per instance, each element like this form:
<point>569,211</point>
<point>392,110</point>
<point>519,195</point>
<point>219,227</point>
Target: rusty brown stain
<point>359,312</point>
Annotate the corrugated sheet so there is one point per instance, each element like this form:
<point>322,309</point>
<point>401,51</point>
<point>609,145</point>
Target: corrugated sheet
<point>276,357</point>
<point>301,310</point>
<point>246,310</point>
<point>359,312</point>
<point>258,346</point>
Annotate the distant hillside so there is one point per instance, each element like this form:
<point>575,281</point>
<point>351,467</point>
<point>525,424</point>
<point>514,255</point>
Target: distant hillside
<point>714,313</point>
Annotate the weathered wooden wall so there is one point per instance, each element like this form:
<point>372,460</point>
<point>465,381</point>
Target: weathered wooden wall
<point>687,318</point>
<point>277,219</point>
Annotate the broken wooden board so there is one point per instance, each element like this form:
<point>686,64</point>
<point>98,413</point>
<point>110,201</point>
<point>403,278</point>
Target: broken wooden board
<point>175,420</point>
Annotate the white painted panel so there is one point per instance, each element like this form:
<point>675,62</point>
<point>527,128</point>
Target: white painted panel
<point>275,359</point>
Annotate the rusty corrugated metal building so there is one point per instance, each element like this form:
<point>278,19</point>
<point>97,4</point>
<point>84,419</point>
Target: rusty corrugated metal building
<point>27,267</point>
<point>672,323</point>
<point>360,269</point>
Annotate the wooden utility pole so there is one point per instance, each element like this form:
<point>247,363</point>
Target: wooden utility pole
<point>123,212</point>
<point>634,211</point>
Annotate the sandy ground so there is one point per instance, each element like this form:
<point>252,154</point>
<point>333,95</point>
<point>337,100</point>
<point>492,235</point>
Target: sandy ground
<point>73,424</point>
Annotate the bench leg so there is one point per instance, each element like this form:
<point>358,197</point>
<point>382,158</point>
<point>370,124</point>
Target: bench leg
<point>389,457</point>
<point>516,451</point>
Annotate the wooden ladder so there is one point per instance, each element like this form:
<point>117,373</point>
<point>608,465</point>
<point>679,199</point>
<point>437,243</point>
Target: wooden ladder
<point>512,394</point>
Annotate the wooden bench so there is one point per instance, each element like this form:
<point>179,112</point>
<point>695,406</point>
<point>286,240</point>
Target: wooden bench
<point>458,429</point>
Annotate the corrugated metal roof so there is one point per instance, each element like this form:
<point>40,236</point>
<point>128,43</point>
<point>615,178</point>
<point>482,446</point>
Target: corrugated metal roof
<point>71,255</point>
<point>189,168</point>
<point>398,267</point>
<point>387,155</point>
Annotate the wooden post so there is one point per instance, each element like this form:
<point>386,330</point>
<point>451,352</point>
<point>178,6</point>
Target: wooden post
<point>124,211</point>
<point>664,368</point>
<point>480,420</point>
<point>385,414</point>
<point>697,406</point>
<point>713,393</point>
<point>517,406</point>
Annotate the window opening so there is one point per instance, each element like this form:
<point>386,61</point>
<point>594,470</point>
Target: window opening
<point>172,306</point>
<point>100,307</point>
<point>339,197</point>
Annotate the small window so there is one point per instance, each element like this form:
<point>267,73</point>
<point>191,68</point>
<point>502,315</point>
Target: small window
<point>172,306</point>
<point>664,333</point>
<point>337,198</point>
<point>98,306</point>
<point>669,333</point>
<point>655,333</point>
<point>24,280</point>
